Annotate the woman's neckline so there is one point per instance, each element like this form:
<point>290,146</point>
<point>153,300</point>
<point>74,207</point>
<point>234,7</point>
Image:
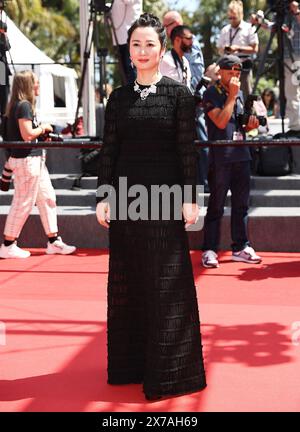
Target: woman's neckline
<point>149,85</point>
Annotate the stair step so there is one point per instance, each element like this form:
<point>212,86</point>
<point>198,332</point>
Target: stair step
<point>253,211</point>
<point>282,183</point>
<point>270,229</point>
<point>291,182</point>
<point>61,181</point>
<point>87,197</point>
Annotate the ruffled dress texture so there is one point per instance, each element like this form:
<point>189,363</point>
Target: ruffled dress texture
<point>153,321</point>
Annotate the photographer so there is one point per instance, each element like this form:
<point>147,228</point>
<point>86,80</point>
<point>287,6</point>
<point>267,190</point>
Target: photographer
<point>123,14</point>
<point>31,178</point>
<point>229,167</point>
<point>291,79</point>
<point>239,38</point>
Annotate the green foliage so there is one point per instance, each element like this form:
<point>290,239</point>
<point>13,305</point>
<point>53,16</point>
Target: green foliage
<point>264,83</point>
<point>53,25</point>
<point>156,7</point>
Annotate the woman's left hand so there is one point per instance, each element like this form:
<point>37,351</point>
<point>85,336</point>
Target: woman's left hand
<point>190,213</point>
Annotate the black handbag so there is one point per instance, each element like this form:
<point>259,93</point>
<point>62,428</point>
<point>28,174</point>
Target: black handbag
<point>247,64</point>
<point>275,161</point>
<point>272,160</point>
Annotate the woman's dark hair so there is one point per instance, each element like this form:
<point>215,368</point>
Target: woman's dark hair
<point>178,31</point>
<point>272,100</point>
<point>149,20</point>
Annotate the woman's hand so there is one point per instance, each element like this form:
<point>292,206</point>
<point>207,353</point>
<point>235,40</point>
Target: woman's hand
<point>253,123</point>
<point>28,133</point>
<point>46,127</point>
<point>190,213</point>
<point>103,213</point>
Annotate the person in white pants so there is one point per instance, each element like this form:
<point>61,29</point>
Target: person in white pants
<point>32,182</point>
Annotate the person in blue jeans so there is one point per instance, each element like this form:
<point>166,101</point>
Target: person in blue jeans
<point>229,166</point>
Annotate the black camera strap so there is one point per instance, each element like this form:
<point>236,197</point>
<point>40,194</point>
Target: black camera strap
<point>179,62</point>
<point>232,36</point>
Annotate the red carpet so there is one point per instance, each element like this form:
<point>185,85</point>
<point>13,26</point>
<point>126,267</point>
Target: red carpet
<point>53,336</point>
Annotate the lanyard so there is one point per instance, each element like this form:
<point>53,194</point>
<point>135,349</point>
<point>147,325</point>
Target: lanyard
<point>232,36</point>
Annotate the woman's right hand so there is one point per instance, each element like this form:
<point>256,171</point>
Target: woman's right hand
<point>103,213</point>
<point>47,127</point>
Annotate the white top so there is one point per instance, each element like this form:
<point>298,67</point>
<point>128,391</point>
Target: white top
<point>123,14</point>
<point>243,35</point>
<point>168,68</point>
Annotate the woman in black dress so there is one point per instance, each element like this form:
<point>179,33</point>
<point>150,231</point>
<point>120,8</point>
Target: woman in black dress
<point>153,321</point>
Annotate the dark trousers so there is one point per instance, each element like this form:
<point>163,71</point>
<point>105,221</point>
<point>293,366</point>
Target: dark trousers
<point>234,176</point>
<point>202,151</point>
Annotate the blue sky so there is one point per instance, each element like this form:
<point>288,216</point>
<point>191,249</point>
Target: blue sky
<point>189,5</point>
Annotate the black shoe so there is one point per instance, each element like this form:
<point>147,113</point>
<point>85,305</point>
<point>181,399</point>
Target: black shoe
<point>152,397</point>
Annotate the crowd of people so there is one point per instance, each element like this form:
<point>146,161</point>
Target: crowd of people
<point>150,127</point>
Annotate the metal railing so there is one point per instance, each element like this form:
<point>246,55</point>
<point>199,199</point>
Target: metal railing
<point>86,143</point>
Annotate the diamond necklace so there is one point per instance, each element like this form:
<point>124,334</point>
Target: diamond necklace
<point>144,93</point>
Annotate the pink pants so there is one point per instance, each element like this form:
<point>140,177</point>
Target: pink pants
<point>32,186</point>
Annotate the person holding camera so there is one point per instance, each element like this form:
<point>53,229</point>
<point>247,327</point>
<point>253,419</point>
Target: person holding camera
<point>32,182</point>
<point>239,38</point>
<point>292,69</point>
<point>229,167</point>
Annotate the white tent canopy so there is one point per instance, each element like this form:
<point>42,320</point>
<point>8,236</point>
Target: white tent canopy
<point>55,80</point>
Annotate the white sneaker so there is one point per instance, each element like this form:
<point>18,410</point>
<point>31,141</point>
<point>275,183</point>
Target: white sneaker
<point>13,251</point>
<point>59,247</point>
<point>247,255</point>
<point>210,259</point>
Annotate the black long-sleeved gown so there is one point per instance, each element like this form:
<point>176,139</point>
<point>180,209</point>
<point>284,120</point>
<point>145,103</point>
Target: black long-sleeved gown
<point>153,321</point>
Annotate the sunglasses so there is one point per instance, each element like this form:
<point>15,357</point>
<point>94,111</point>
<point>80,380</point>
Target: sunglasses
<point>170,23</point>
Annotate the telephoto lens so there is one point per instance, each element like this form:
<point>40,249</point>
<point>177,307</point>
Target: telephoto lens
<point>5,178</point>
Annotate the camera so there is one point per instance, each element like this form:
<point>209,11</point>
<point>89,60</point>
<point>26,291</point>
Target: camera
<point>49,136</point>
<point>102,6</point>
<point>248,111</point>
<point>204,82</point>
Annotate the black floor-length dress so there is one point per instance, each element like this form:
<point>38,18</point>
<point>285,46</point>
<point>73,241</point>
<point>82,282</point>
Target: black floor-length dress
<point>153,321</point>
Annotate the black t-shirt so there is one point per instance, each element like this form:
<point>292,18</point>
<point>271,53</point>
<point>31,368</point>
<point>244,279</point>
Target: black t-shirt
<point>21,110</point>
<point>215,97</point>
